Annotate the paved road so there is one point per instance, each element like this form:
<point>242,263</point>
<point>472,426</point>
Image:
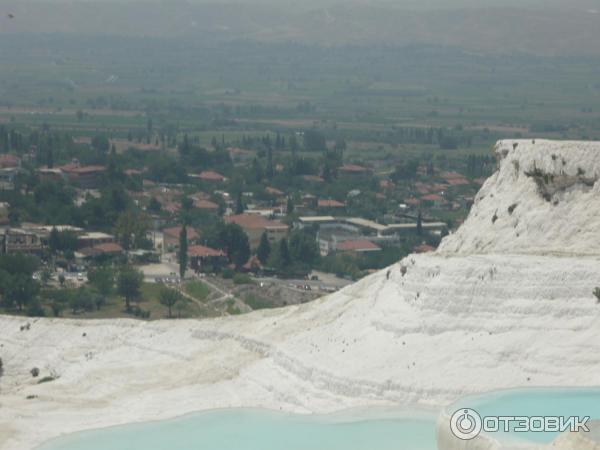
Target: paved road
<point>326,285</point>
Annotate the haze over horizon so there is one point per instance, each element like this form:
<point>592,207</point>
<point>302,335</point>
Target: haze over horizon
<point>531,26</point>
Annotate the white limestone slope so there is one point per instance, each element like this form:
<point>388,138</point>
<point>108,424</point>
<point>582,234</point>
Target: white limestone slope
<point>482,314</point>
<point>566,223</point>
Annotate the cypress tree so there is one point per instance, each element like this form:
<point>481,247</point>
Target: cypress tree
<point>183,249</point>
<point>264,248</point>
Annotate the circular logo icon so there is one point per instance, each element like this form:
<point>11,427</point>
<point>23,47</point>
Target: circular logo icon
<point>466,424</point>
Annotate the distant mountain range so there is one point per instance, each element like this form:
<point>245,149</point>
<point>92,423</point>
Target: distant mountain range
<point>552,29</point>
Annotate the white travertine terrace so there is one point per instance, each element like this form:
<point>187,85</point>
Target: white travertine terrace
<point>505,302</point>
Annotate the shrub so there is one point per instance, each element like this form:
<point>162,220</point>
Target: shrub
<point>242,278</point>
<point>46,379</point>
<point>1,367</point>
<point>255,302</point>
<point>57,308</point>
<point>227,274</point>
<point>141,313</point>
<point>232,309</point>
<point>35,309</point>
<point>34,372</point>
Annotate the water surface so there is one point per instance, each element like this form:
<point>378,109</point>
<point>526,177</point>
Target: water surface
<point>561,402</point>
<point>243,429</point>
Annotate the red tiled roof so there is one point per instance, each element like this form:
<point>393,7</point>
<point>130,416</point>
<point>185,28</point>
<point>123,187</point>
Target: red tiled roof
<point>210,175</point>
<point>458,181</point>
<point>9,161</point>
<point>273,191</point>
<point>172,207</point>
<point>325,203</point>
<point>175,231</point>
<point>76,169</point>
<point>353,168</point>
<point>200,251</point>
<point>361,245</point>
<point>107,248</point>
<point>313,178</point>
<point>386,184</point>
<point>451,175</point>
<point>254,221</point>
<point>432,198</point>
<point>253,263</point>
<point>205,204</point>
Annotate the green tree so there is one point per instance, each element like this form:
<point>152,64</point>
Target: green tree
<point>45,276</point>
<point>264,248</point>
<point>239,204</point>
<point>54,240</point>
<point>62,241</point>
<point>131,229</point>
<point>284,253</point>
<point>169,297</point>
<point>303,247</point>
<point>183,251</point>
<point>290,205</point>
<point>19,263</point>
<point>82,300</point>
<point>18,291</point>
<point>129,285</point>
<point>185,147</point>
<point>50,158</point>
<point>314,140</point>
<point>102,279</point>
<point>154,205</point>
<point>101,144</point>
<point>232,238</point>
<point>187,207</point>
<point>419,224</point>
<point>270,172</point>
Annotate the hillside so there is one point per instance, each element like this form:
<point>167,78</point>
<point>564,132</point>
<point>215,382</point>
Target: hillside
<point>489,311</point>
<point>533,27</point>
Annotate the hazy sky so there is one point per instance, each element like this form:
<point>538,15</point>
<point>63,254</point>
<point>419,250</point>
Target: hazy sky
<point>412,4</point>
<point>529,26</point>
